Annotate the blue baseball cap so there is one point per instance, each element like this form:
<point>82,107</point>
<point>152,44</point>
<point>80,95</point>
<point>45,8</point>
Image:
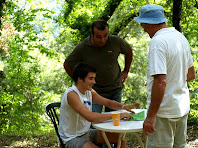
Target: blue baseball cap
<point>151,14</point>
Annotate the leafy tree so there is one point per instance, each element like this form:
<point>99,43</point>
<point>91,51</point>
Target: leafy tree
<point>24,92</point>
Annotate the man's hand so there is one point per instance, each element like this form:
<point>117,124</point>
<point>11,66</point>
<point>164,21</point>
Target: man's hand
<point>126,116</point>
<point>123,76</point>
<point>129,107</point>
<point>149,125</point>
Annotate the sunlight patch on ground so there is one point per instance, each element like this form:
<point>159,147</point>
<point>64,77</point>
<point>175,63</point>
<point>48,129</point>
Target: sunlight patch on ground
<point>193,144</point>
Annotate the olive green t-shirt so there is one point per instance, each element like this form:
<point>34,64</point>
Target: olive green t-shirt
<point>104,59</point>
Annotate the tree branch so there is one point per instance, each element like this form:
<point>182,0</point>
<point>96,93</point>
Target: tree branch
<point>70,6</point>
<point>2,2</point>
<point>123,24</point>
<point>109,9</point>
<point>196,5</point>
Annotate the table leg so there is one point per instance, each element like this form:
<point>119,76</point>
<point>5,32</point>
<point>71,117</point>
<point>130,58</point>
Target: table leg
<point>106,139</point>
<point>139,140</point>
<point>121,137</point>
<point>145,141</point>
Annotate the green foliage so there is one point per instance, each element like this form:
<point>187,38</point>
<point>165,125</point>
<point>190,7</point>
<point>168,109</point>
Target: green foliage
<point>4,108</point>
<point>24,94</point>
<point>22,91</point>
<point>135,89</point>
<point>33,74</point>
<point>189,21</point>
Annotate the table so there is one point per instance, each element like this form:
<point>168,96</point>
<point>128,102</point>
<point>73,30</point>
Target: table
<point>123,128</point>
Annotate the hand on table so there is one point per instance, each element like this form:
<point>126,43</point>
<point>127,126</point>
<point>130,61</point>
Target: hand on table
<point>125,116</point>
<point>149,125</point>
<point>129,107</point>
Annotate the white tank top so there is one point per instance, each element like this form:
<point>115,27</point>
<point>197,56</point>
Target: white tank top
<point>72,124</point>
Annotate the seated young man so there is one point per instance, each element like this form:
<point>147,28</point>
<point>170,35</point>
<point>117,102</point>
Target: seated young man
<point>76,115</point>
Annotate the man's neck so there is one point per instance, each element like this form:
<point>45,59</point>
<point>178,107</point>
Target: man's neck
<point>81,89</point>
<point>157,28</point>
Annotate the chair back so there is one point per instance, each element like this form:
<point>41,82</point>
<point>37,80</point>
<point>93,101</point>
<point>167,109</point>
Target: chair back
<point>51,110</point>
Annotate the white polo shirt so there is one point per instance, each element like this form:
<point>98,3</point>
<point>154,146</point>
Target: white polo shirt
<point>169,53</point>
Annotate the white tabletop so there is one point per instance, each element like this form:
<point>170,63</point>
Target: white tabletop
<point>125,126</point>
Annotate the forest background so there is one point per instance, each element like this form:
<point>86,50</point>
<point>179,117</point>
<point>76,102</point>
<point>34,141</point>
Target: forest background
<point>36,36</point>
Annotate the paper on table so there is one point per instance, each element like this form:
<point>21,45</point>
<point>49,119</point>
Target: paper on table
<point>138,116</point>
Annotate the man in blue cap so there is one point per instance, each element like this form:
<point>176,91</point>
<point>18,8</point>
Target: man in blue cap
<point>169,68</point>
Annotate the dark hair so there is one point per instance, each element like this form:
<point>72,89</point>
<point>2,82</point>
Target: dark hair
<point>81,70</point>
<point>99,24</point>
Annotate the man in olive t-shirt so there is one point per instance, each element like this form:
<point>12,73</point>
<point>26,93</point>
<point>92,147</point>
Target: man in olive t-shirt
<point>101,50</point>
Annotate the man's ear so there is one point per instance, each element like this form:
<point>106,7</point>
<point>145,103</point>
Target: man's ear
<point>80,79</point>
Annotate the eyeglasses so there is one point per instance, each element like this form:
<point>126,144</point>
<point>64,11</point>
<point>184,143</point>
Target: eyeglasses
<point>88,102</point>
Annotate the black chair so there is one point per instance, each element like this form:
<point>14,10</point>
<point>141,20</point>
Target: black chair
<point>51,110</point>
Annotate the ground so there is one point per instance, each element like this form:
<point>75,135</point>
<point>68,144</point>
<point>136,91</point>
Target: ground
<point>50,140</point>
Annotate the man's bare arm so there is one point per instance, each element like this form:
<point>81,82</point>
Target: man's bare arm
<point>191,74</point>
<point>76,104</point>
<point>157,94</point>
<point>111,103</point>
<point>128,60</point>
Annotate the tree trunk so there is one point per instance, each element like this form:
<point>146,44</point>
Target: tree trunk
<point>109,9</point>
<point>70,6</point>
<point>196,4</point>
<point>177,6</point>
<point>2,2</point>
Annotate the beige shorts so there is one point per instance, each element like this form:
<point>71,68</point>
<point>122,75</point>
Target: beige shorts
<point>170,132</point>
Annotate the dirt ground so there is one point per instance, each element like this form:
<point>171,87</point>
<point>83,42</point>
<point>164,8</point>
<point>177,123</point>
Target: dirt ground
<point>50,141</point>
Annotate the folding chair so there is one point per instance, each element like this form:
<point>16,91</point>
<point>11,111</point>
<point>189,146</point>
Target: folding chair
<point>50,109</point>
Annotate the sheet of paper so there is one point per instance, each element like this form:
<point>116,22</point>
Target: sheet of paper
<point>140,114</point>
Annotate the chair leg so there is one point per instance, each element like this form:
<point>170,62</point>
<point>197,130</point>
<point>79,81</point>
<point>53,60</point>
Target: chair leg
<point>61,146</point>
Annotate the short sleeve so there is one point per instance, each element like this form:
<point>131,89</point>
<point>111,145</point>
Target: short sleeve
<point>190,61</point>
<point>125,47</point>
<point>157,60</point>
